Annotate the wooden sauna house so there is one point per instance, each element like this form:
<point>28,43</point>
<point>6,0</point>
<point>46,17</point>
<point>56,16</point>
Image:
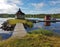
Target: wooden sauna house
<point>20,15</point>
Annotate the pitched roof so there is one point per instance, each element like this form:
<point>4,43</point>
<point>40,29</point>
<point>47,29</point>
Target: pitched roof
<point>20,12</point>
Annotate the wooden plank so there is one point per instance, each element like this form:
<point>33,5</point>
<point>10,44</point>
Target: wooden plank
<point>49,21</point>
<point>19,31</point>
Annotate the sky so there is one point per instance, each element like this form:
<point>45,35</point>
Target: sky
<point>30,6</point>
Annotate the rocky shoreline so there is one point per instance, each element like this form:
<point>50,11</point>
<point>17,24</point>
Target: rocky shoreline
<point>7,27</point>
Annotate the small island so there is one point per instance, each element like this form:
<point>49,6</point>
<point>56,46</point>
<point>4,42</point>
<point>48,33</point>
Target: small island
<point>19,18</point>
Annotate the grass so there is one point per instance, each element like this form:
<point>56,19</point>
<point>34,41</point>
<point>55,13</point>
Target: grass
<point>33,39</point>
<point>42,31</point>
<point>15,21</point>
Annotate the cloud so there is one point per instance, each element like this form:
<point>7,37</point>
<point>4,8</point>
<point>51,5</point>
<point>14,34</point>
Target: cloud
<point>50,11</point>
<point>12,6</point>
<point>15,2</point>
<point>38,5</point>
<point>54,10</point>
<point>34,12</point>
<point>55,2</point>
<point>9,6</point>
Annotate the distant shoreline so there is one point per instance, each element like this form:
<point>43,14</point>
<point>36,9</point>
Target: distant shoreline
<point>30,15</point>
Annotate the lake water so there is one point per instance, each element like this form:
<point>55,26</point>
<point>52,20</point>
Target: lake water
<point>55,27</point>
<point>4,34</point>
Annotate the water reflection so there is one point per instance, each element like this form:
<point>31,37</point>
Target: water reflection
<point>55,27</point>
<point>4,34</point>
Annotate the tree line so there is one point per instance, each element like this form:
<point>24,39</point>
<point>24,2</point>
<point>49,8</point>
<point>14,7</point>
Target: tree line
<point>30,15</point>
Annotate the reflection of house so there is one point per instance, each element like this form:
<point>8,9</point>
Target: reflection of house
<point>20,14</point>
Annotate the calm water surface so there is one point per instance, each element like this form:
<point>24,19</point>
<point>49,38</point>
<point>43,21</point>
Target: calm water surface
<point>55,27</point>
<point>4,34</point>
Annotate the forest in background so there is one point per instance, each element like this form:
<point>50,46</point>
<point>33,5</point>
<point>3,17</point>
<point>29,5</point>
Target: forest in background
<point>30,15</point>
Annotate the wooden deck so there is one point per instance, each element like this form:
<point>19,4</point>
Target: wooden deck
<point>49,20</point>
<point>19,31</point>
<point>35,21</point>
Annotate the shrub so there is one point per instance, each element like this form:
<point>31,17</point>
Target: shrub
<point>15,21</point>
<point>42,31</point>
<point>28,24</point>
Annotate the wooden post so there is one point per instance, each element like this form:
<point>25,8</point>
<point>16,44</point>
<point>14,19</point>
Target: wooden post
<point>47,17</point>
